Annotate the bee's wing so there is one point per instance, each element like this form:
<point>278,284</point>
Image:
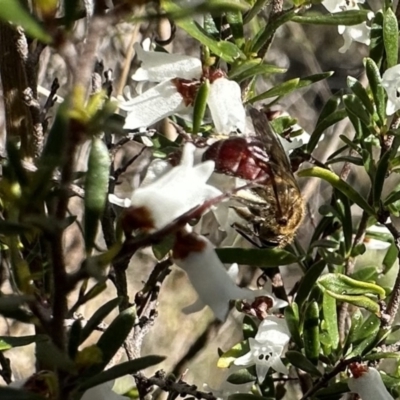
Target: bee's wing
<point>269,138</point>
<point>284,184</point>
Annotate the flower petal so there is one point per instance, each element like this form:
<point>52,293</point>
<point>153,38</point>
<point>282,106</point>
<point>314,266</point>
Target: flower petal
<point>158,66</point>
<point>245,360</point>
<point>369,386</point>
<point>226,107</point>
<point>207,275</point>
<point>153,105</point>
<point>273,330</point>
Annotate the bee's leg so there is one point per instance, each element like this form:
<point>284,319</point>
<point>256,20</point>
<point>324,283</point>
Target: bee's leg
<point>248,231</point>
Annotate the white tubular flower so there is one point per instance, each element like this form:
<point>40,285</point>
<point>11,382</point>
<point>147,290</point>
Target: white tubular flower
<point>159,67</point>
<point>267,348</point>
<point>182,188</point>
<point>180,77</point>
<point>367,383</point>
<point>226,107</point>
<point>208,276</point>
<point>358,33</point>
<point>391,83</point>
<point>153,105</point>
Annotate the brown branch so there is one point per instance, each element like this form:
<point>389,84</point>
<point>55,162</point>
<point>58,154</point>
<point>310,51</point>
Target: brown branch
<point>322,382</point>
<point>168,384</point>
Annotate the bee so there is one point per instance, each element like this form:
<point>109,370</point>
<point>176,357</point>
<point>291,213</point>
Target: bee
<point>272,209</point>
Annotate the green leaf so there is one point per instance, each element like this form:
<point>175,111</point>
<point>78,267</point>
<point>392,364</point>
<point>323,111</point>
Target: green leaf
<point>116,334</point>
<point>125,368</point>
<point>249,327</point>
<point>13,306</point>
<point>7,393</point>
<point>250,68</point>
<point>291,85</point>
<point>12,11</point>
<point>358,89</point>
<point>380,176</point>
<point>263,258</point>
<point>390,258</point>
<point>232,354</point>
<point>354,105</point>
<point>330,319</point>
<point>247,396</point>
<point>254,11</point>
<point>365,274</point>
<point>380,355</point>
<point>74,339</point>
<point>308,281</point>
<point>270,28</point>
<point>390,37</point>
<point>339,184</point>
<point>235,21</point>
<point>293,322</point>
<point>363,329</point>
<point>15,163</point>
<point>378,92</point>
<point>322,126</point>
<point>200,105</point>
<point>312,342</point>
<point>350,159</point>
<point>228,51</point>
<point>343,285</point>
<point>9,342</point>
<point>377,47</point>
<point>98,317</point>
<point>349,17</point>
<point>298,360</point>
<point>240,377</point>
<point>49,356</point>
<point>96,189</point>
<point>358,300</point>
<point>333,391</point>
<point>160,250</point>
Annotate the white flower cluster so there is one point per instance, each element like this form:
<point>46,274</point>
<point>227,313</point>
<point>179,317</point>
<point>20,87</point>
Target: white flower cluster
<point>359,33</point>
<point>169,192</point>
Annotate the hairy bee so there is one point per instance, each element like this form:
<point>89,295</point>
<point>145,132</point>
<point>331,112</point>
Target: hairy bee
<point>273,208</point>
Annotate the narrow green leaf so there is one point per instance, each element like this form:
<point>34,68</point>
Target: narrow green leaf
<point>9,342</point>
<point>74,339</point>
<point>361,93</point>
<point>368,327</point>
<point>116,334</point>
<point>270,28</point>
<point>247,396</point>
<point>350,159</point>
<point>235,21</point>
<point>298,360</point>
<point>312,343</point>
<point>338,184</point>
<point>228,51</point>
<point>377,47</point>
<point>354,105</point>
<point>333,391</point>
<point>253,12</point>
<point>15,163</point>
<point>349,17</point>
<point>357,300</point>
<point>228,357</point>
<point>390,37</point>
<point>96,189</point>
<point>262,258</point>
<point>125,368</point>
<point>240,377</point>
<point>346,219</point>
<point>98,317</point>
<point>330,318</point>
<point>308,281</point>
<point>291,85</point>
<point>378,92</point>
<point>12,11</point>
<point>249,327</point>
<point>342,284</point>
<point>380,176</point>
<point>200,105</point>
<point>390,258</point>
<point>251,68</point>
<point>292,319</point>
<point>322,126</point>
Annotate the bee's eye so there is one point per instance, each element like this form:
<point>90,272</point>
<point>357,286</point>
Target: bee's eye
<point>282,221</point>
